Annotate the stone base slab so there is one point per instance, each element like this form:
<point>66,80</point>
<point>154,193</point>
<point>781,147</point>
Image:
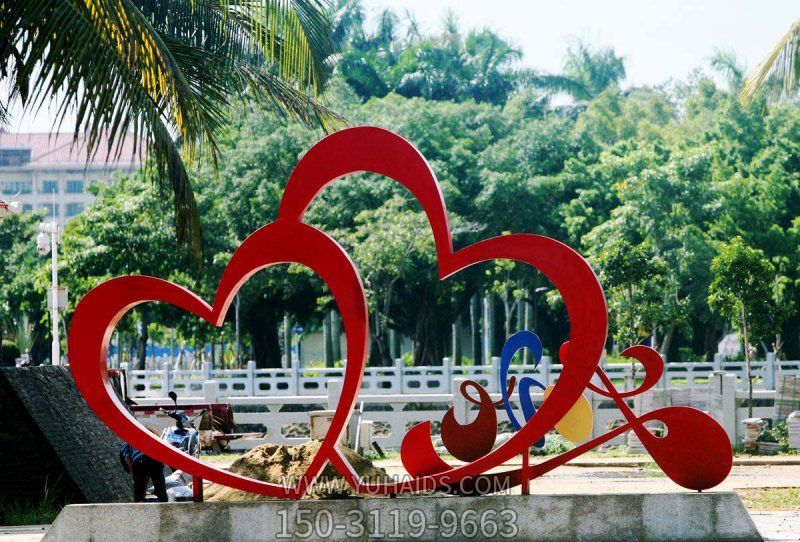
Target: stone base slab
<point>608,517</point>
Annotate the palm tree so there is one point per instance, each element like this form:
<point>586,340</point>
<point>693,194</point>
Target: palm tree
<point>728,65</point>
<point>166,71</point>
<point>587,72</point>
<point>779,73</point>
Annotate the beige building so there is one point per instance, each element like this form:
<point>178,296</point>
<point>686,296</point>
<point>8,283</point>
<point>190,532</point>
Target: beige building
<point>39,168</point>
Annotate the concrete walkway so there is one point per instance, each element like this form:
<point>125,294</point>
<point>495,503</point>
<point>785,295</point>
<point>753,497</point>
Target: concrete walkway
<point>773,526</point>
<point>620,475</point>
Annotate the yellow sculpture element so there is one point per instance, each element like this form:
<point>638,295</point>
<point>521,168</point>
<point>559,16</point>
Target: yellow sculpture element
<point>576,425</point>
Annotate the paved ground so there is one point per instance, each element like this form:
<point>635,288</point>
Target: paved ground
<point>27,533</point>
<point>621,475</point>
<point>773,526</point>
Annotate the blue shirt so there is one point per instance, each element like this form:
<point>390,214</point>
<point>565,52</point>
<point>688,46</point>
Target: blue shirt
<point>129,453</point>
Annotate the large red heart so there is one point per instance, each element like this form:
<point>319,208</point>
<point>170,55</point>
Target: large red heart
<point>380,151</point>
<point>283,241</point>
<point>288,240</point>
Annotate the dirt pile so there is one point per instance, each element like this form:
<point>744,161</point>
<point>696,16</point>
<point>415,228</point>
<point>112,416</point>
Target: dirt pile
<point>281,464</point>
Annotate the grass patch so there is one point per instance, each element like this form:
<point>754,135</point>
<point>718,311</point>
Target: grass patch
<point>32,512</point>
<point>221,459</point>
<point>771,498</point>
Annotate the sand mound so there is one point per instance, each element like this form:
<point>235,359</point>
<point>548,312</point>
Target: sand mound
<point>281,464</point>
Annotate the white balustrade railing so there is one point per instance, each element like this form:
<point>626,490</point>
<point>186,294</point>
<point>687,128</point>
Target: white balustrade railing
<point>284,419</point>
<point>436,379</point>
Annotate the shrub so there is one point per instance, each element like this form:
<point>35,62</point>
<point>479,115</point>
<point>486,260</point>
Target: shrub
<point>9,354</point>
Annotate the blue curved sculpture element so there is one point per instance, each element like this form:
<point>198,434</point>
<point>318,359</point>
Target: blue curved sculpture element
<point>515,343</point>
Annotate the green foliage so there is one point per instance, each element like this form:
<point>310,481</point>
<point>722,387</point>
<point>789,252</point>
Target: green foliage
<point>9,352</point>
<point>741,289</point>
<point>447,66</point>
<point>650,183</point>
<point>166,72</point>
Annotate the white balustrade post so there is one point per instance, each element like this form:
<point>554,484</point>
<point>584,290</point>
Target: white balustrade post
<point>334,393</point>
<point>545,363</point>
<point>251,376</point>
<point>296,378</point>
<point>446,374</point>
<point>594,403</point>
<point>128,378</point>
<point>718,359</point>
<point>167,378</point>
<point>722,401</point>
<point>494,377</point>
<point>399,365</point>
<point>460,404</point>
<point>210,391</point>
<point>769,372</point>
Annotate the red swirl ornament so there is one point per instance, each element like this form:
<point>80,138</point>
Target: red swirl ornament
<point>288,239</point>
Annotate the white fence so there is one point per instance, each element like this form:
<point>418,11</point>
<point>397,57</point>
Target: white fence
<point>399,379</point>
<point>284,419</point>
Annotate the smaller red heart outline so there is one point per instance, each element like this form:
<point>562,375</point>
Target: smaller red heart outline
<point>283,241</point>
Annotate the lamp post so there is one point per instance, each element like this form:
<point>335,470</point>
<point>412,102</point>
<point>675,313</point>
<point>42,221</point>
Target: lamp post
<point>47,243</point>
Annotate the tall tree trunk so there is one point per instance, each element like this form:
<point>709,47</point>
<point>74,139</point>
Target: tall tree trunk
<point>666,343</point>
<point>287,339</point>
<point>263,328</point>
<point>748,366</point>
<point>379,352</point>
<point>527,324</point>
<point>141,340</point>
<point>475,328</point>
<point>327,339</point>
<point>456,349</point>
<point>428,338</point>
<point>336,334</point>
<point>488,328</point>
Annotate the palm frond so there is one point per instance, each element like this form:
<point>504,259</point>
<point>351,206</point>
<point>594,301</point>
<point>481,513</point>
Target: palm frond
<point>166,71</point>
<point>779,73</point>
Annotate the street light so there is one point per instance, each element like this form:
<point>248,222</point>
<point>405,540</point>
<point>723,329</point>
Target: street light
<point>47,243</point>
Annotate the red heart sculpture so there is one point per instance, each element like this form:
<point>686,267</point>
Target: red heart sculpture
<point>288,240</point>
<point>380,151</point>
<point>283,241</point>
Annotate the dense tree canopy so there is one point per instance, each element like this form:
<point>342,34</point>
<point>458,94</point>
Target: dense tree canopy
<point>648,183</point>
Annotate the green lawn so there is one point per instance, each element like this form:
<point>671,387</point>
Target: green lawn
<point>771,498</point>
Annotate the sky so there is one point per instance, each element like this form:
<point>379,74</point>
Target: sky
<point>659,39</point>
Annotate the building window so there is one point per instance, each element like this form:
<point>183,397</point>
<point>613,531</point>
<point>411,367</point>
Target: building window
<point>74,187</point>
<point>27,207</point>
<point>15,187</point>
<point>14,157</point>
<point>49,187</point>
<point>74,209</point>
<point>48,209</point>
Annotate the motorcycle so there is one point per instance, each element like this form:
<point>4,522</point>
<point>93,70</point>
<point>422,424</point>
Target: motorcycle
<point>184,436</point>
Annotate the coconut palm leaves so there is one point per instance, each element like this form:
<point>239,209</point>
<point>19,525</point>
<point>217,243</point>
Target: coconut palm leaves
<point>779,73</point>
<point>165,70</point>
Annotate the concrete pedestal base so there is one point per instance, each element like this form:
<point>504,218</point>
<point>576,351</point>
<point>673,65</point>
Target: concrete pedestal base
<point>618,517</point>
